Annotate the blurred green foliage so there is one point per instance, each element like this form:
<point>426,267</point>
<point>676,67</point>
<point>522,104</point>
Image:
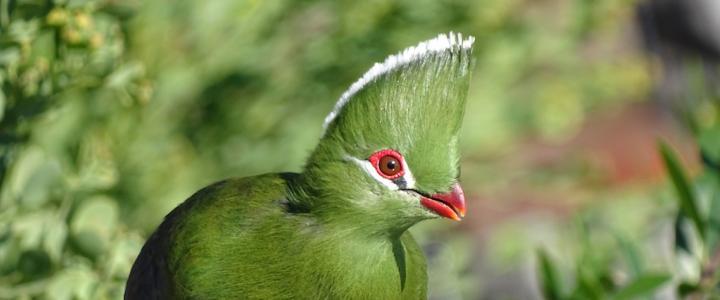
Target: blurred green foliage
<point>67,84</point>
<point>694,271</point>
<point>112,112</point>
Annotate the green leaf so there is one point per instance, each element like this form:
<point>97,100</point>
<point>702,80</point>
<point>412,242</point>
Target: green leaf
<point>9,255</point>
<point>55,236</point>
<point>34,264</point>
<point>686,196</point>
<point>29,161</point>
<point>690,119</point>
<point>123,75</point>
<point>93,225</point>
<point>687,288</point>
<point>9,56</point>
<point>122,255</point>
<point>2,103</point>
<point>41,184</point>
<point>710,147</point>
<point>714,218</point>
<point>29,228</point>
<point>44,46</point>
<point>74,282</point>
<point>23,31</point>
<point>681,239</point>
<point>588,284</point>
<point>645,285</point>
<point>710,150</point>
<point>549,277</point>
<point>630,252</point>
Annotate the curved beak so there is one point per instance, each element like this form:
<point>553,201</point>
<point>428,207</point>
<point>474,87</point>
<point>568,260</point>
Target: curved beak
<point>450,205</point>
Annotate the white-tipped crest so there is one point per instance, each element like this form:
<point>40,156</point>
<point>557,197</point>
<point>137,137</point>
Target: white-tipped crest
<point>441,43</point>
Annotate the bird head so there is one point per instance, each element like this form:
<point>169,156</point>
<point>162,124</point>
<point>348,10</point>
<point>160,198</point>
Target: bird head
<point>389,152</point>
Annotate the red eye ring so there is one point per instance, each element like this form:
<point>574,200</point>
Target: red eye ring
<point>388,163</point>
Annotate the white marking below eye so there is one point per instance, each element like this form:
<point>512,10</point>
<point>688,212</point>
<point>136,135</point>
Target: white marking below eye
<point>370,170</point>
<point>409,178</point>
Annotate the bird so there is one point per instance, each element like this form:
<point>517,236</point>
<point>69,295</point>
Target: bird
<point>387,159</point>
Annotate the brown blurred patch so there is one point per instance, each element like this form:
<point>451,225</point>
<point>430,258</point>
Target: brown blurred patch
<point>621,144</point>
<point>614,149</point>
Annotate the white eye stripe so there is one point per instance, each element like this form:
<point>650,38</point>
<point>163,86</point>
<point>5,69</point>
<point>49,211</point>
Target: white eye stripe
<point>370,170</point>
<point>409,178</point>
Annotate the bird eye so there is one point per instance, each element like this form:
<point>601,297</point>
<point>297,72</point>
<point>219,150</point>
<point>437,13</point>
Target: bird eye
<point>388,163</point>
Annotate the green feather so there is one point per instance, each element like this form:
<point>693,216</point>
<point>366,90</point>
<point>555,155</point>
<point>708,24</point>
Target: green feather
<point>333,231</point>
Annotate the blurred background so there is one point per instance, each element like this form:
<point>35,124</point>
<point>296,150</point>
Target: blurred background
<point>113,112</point>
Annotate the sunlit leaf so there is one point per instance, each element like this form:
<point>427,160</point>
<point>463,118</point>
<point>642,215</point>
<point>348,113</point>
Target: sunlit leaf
<point>97,168</point>
<point>42,183</point>
<point>122,255</point>
<point>23,169</point>
<point>9,255</point>
<point>29,228</point>
<point>93,225</point>
<point>55,237</point>
<point>123,75</point>
<point>23,30</point>
<point>76,282</point>
<point>9,56</point>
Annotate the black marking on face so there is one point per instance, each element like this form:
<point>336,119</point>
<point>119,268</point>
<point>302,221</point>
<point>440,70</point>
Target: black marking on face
<point>400,182</point>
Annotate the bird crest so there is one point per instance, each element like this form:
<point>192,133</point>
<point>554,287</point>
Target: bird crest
<point>439,50</point>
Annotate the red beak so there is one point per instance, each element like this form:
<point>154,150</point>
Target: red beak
<point>450,205</point>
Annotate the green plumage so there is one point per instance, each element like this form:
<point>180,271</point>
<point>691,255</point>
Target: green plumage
<point>335,230</point>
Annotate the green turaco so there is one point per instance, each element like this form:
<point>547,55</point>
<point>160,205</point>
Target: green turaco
<point>388,158</point>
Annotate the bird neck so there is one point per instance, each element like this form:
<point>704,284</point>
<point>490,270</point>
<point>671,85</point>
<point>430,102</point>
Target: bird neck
<point>337,208</point>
